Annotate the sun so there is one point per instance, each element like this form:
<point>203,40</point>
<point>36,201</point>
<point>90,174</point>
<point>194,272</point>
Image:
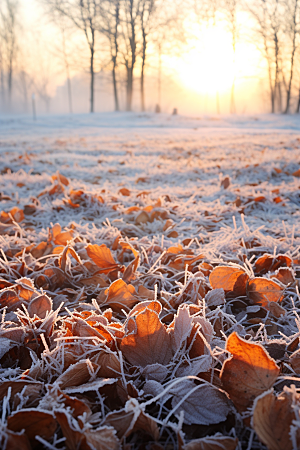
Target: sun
<point>211,66</point>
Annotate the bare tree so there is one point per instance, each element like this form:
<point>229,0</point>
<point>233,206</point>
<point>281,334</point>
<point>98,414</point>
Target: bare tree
<point>129,21</point>
<point>268,16</point>
<point>292,30</point>
<point>84,14</point>
<point>146,14</point>
<point>109,27</point>
<point>8,36</point>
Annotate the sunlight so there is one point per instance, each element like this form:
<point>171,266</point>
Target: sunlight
<point>211,66</point>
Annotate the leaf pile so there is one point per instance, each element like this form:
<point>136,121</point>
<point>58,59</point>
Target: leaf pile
<point>145,333</point>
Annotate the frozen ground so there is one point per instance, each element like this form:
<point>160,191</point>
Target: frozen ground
<point>174,199</point>
<point>184,158</point>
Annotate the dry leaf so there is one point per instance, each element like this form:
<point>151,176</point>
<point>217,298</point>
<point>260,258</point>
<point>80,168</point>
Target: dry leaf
<point>149,343</point>
<point>34,422</point>
<point>249,372</point>
<point>16,441</point>
<point>262,291</point>
<point>217,442</point>
<point>231,279</point>
<point>101,255</point>
<point>272,419</point>
<point>40,306</point>
<point>119,296</point>
<point>205,405</point>
<point>267,262</point>
<point>76,374</point>
<point>103,438</point>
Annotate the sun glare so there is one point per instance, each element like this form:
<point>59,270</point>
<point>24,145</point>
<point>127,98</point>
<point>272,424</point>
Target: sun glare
<point>211,66</point>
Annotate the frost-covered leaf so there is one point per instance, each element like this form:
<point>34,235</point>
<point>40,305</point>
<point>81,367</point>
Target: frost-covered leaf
<point>202,405</point>
<point>272,419</point>
<point>150,343</point>
<point>231,279</point>
<point>217,442</point>
<point>248,373</point>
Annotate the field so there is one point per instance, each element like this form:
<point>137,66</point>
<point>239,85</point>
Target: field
<point>149,282</point>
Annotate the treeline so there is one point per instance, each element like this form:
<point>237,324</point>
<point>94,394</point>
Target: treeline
<point>121,38</point>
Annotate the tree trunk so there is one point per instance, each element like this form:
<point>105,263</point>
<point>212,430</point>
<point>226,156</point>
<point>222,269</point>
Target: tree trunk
<point>288,93</point>
<point>129,89</point>
<point>298,105</point>
<point>143,73</point>
<point>117,108</point>
<point>70,94</point>
<point>92,80</point>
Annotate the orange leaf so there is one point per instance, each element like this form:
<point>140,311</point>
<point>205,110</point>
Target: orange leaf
<point>231,279</point>
<point>149,343</point>
<point>101,255</point>
<point>272,419</point>
<point>119,296</point>
<point>296,173</point>
<point>142,217</point>
<point>125,192</point>
<point>263,291</point>
<point>249,372</point>
<point>267,262</point>
<point>61,178</point>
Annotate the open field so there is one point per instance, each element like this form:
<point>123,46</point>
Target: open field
<point>137,253</point>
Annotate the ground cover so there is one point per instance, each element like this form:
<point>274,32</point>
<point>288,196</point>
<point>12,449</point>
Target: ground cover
<point>149,282</point>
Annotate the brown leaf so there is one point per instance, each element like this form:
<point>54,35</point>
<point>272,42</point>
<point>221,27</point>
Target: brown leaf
<point>217,442</point>
<point>61,178</point>
<point>249,372</point>
<point>149,343</point>
<point>205,405</point>
<point>103,438</point>
<point>119,296</point>
<point>142,217</point>
<point>125,192</point>
<point>101,255</point>
<point>40,306</point>
<point>17,441</point>
<point>231,279</point>
<point>262,291</point>
<point>225,183</point>
<point>267,263</point>
<point>76,374</point>
<point>272,419</point>
<point>35,423</point>
<point>129,272</point>
<point>285,275</point>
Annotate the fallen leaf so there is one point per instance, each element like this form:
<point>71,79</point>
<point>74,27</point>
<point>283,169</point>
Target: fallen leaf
<point>119,296</point>
<point>205,405</point>
<point>262,291</point>
<point>267,263</point>
<point>101,255</point>
<point>231,279</point>
<point>149,343</point>
<point>34,422</point>
<point>249,372</point>
<point>217,442</point>
<point>272,419</point>
<point>40,306</point>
